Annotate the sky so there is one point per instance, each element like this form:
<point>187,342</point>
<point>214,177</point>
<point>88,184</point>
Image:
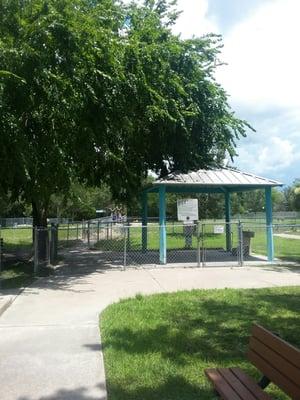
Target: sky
<point>261,76</point>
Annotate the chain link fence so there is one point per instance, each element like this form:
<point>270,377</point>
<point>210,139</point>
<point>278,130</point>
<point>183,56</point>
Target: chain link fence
<point>131,244</point>
<point>182,243</point>
<point>286,242</point>
<point>202,244</point>
<point>35,247</point>
<point>18,247</point>
<point>28,222</point>
<point>189,244</point>
<point>70,234</point>
<point>219,242</point>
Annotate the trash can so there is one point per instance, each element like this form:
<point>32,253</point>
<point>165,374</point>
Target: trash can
<point>247,235</point>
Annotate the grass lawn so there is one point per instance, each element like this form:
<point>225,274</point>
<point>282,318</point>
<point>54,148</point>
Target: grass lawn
<point>157,347</point>
<point>16,238</point>
<point>21,238</point>
<point>16,276</point>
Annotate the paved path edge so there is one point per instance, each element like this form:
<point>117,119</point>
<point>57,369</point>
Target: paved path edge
<point>7,302</point>
<point>12,297</point>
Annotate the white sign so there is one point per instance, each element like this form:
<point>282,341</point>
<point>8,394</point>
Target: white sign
<point>218,229</point>
<point>187,210</point>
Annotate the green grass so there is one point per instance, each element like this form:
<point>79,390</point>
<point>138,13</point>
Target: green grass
<point>157,347</point>
<point>285,249</point>
<point>21,238</point>
<point>16,276</point>
<point>16,237</point>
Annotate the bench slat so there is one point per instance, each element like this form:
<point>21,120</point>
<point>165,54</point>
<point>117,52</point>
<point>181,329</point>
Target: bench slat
<point>251,384</point>
<point>286,350</point>
<point>237,385</point>
<point>275,360</point>
<point>222,387</point>
<point>274,357</point>
<point>274,375</point>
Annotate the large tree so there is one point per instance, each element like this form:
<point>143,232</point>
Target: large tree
<point>101,92</point>
<point>48,134</point>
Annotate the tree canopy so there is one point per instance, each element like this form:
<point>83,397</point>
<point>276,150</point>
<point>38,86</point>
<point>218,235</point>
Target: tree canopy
<point>100,92</point>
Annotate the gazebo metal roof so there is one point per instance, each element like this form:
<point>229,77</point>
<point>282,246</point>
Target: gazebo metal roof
<point>221,177</point>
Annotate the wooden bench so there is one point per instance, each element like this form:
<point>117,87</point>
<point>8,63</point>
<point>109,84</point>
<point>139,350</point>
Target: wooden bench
<point>278,361</point>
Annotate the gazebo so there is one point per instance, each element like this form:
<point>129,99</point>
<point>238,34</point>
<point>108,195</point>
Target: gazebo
<point>217,180</point>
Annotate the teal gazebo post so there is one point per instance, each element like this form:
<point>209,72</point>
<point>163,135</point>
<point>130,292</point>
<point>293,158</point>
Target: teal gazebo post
<point>269,223</point>
<point>162,225</point>
<point>144,221</point>
<point>228,220</point>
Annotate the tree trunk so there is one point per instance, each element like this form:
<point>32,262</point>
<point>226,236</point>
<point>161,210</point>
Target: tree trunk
<point>39,214</point>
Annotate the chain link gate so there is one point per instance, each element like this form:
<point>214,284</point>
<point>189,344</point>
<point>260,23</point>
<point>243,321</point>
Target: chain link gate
<point>182,244</point>
<point>222,243</point>
<point>209,242</point>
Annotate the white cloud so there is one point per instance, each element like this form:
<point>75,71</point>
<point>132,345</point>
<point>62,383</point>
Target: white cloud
<point>194,21</point>
<point>263,57</point>
<point>272,157</point>
<point>274,149</point>
<point>262,78</point>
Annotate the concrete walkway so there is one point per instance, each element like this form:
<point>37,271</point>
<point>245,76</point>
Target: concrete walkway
<point>287,236</point>
<point>7,297</point>
<point>49,337</point>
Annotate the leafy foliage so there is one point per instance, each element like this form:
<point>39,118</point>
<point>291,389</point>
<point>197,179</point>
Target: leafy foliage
<point>81,202</point>
<point>292,196</point>
<point>103,93</point>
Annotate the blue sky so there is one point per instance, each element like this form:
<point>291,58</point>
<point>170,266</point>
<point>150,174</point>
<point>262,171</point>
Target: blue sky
<point>262,77</point>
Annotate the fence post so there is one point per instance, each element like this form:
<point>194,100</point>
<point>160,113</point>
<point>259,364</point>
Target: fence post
<point>88,233</point>
<point>36,250</point>
<point>68,232</point>
<point>1,260</point>
<point>77,231</point>
<point>48,247</point>
<point>53,244</point>
<point>269,224</point>
<point>203,246</point>
<point>98,232</point>
<point>241,246</point>
<point>162,225</point>
<point>198,245</point>
<point>1,253</point>
<point>125,247</point>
